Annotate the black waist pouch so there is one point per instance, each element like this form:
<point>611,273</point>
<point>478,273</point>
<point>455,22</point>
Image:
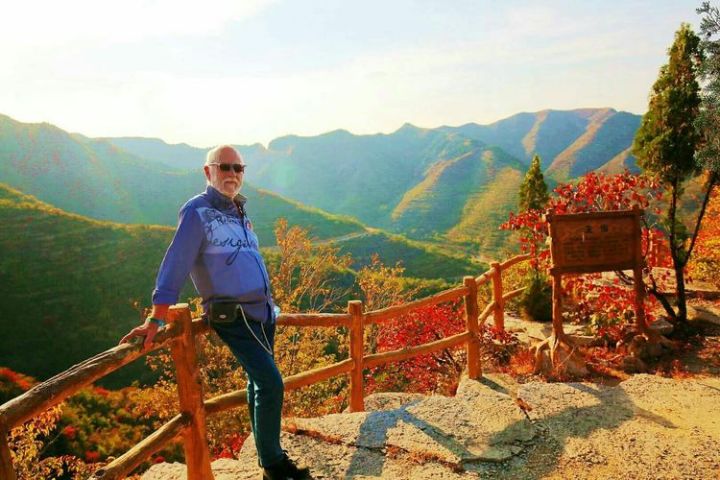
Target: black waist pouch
<point>223,310</point>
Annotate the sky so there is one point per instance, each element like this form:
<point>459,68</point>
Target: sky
<point>248,71</point>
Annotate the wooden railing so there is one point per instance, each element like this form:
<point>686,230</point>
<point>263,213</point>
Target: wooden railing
<point>179,336</point>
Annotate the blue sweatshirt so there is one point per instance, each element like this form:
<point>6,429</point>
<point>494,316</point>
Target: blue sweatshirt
<point>215,244</point>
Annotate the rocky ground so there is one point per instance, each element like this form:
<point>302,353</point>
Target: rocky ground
<point>646,427</point>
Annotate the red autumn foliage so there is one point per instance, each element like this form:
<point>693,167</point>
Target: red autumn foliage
<point>70,432</point>
<point>425,373</point>
<point>705,264</point>
<point>92,456</point>
<point>103,392</point>
<point>22,382</point>
<point>231,446</point>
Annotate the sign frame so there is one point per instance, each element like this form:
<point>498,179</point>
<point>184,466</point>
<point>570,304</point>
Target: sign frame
<point>615,225</point>
<point>632,259</point>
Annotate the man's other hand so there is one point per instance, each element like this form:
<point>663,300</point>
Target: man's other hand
<point>147,330</point>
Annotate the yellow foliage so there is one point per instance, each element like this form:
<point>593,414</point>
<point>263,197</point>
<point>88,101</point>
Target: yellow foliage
<point>705,263</point>
<point>28,442</point>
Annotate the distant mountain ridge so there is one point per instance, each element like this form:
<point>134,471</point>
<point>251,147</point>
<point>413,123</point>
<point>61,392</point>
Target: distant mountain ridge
<point>570,143</point>
<point>100,180</point>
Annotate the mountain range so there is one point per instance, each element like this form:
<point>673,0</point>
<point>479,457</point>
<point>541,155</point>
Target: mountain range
<point>448,184</point>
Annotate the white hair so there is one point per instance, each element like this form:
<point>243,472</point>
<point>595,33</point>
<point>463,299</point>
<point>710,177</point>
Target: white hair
<point>214,154</point>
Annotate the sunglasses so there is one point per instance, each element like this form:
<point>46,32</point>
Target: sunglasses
<point>225,167</point>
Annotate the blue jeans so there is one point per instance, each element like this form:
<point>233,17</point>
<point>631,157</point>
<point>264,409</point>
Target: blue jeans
<point>265,386</point>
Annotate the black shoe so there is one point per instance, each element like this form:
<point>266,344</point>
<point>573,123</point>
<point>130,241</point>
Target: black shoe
<point>284,470</point>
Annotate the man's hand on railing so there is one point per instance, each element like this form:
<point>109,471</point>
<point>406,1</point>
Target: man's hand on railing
<point>148,330</point>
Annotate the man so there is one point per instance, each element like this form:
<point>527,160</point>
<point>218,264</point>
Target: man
<point>215,244</point>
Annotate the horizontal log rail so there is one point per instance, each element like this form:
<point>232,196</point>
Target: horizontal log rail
<point>315,320</point>
<point>484,278</point>
<point>56,389</point>
<point>514,260</point>
<point>238,398</point>
<point>376,359</point>
<point>385,314</point>
<point>513,293</point>
<point>130,460</point>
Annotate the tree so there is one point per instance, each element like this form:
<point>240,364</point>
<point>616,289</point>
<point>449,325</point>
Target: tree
<point>708,239</point>
<point>666,143</point>
<point>536,299</point>
<point>533,191</point>
<point>709,118</point>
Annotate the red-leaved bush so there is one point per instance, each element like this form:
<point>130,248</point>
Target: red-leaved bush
<point>588,297</point>
<point>434,372</point>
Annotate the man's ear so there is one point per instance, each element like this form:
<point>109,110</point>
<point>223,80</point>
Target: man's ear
<point>206,169</point>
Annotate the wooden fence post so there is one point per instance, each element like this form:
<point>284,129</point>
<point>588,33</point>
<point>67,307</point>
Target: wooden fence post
<point>557,320</point>
<point>640,318</point>
<point>357,350</point>
<point>7,472</point>
<point>499,310</point>
<point>197,455</point>
<point>471,325</point>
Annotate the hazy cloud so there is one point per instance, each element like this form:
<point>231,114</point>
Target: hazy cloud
<point>42,22</point>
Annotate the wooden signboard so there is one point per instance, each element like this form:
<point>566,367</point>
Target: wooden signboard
<point>595,242</point>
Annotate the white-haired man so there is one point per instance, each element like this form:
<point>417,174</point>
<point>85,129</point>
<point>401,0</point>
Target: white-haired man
<point>215,245</point>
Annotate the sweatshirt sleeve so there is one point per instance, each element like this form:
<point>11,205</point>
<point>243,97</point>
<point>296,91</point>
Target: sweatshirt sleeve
<point>179,257</point>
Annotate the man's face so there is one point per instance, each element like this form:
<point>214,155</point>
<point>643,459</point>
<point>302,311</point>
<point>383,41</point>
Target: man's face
<point>228,183</point>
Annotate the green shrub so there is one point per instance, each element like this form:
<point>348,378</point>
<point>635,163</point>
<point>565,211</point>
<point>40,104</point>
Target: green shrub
<point>536,299</point>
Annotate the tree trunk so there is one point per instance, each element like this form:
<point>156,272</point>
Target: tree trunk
<point>681,301</point>
<point>676,254</point>
<point>664,302</point>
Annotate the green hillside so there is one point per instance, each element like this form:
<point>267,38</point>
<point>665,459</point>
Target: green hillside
<point>506,134</point>
<point>183,156</point>
<point>486,210</point>
<point>360,175</point>
<point>607,135</point>
<point>90,177</point>
<point>69,283</point>
<point>462,194</point>
<point>420,259</point>
<point>419,183</point>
